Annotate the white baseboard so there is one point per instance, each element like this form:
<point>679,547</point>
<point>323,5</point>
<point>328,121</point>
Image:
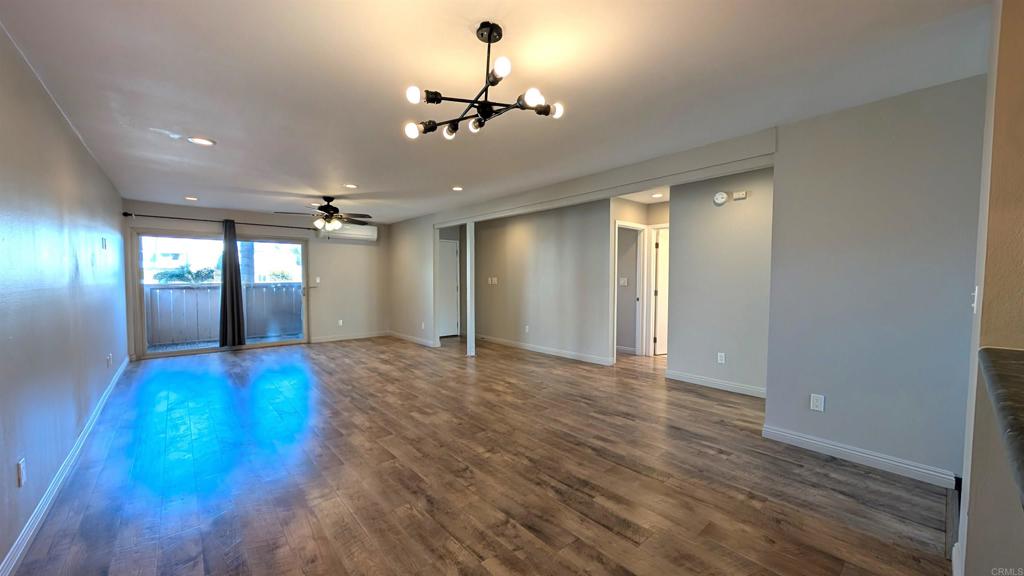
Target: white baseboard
<point>417,340</point>
<point>922,472</point>
<point>958,560</point>
<point>746,389</point>
<point>625,350</point>
<point>20,546</point>
<point>338,337</point>
<point>591,358</point>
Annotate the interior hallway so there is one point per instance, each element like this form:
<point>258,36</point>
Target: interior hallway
<point>380,456</point>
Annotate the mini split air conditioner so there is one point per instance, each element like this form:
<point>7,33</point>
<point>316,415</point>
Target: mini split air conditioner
<point>350,232</point>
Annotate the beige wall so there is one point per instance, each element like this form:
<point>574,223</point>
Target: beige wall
<point>873,253</point>
<point>658,213</point>
<point>719,275</point>
<point>553,270</point>
<point>992,520</point>
<point>62,305</point>
<point>353,274</point>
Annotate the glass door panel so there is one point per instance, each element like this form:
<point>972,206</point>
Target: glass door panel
<point>180,292</point>
<point>272,291</point>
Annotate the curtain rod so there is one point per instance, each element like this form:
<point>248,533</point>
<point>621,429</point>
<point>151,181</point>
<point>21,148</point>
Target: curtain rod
<point>133,215</point>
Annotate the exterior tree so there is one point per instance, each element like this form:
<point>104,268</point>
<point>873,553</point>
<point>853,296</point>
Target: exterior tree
<point>184,274</point>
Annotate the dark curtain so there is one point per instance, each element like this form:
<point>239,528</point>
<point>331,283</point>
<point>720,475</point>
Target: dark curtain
<point>232,311</point>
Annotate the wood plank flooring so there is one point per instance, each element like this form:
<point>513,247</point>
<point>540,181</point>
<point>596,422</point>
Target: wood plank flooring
<point>380,456</point>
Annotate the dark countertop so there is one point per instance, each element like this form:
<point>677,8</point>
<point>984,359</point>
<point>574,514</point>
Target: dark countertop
<point>1004,376</point>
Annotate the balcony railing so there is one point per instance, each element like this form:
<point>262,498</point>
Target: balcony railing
<point>181,316</point>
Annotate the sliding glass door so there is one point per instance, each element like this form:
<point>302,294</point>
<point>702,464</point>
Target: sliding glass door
<point>180,288</point>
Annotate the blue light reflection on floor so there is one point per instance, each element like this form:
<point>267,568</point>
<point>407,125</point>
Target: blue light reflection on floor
<point>203,430</point>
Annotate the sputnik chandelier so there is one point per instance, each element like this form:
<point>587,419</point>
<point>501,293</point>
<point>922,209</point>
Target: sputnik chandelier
<point>481,109</point>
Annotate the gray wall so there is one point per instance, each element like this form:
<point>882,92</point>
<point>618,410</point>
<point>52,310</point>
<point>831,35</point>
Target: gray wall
<point>719,277</point>
<point>873,251</point>
<point>62,305</point>
<point>411,276</point>
<point>626,313</point>
<point>553,275</point>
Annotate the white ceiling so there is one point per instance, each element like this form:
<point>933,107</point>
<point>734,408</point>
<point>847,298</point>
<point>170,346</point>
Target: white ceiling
<point>647,196</point>
<point>303,97</point>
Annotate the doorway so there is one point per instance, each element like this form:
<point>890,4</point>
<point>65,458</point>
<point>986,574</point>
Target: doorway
<point>629,313</point>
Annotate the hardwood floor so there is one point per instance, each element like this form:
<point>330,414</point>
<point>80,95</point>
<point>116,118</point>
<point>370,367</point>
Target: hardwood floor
<point>384,457</point>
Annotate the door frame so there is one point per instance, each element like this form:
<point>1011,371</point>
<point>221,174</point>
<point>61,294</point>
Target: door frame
<point>649,309</point>
<point>641,284</point>
<point>136,305</point>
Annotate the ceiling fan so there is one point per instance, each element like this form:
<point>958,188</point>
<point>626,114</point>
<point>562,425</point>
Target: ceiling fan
<point>329,218</point>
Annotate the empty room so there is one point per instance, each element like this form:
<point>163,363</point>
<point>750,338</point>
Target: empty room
<point>377,287</point>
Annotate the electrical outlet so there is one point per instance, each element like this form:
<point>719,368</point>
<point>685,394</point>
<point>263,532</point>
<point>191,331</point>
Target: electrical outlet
<point>22,473</point>
<point>527,328</point>
<point>721,357</point>
<point>423,325</point>
<point>341,322</point>
<point>818,402</point>
<point>317,280</point>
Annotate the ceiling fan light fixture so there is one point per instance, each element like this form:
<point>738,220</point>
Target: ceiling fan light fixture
<point>319,223</point>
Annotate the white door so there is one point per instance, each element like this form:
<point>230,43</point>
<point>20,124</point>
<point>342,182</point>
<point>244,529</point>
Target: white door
<point>661,292</point>
<point>448,289</point>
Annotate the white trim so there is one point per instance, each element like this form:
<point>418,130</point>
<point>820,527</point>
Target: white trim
<point>625,350</point>
<point>603,361</point>
<point>640,285</point>
<point>424,341</point>
<point>958,560</point>
<point>922,472</point>
<point>340,337</point>
<point>35,521</point>
<point>718,383</point>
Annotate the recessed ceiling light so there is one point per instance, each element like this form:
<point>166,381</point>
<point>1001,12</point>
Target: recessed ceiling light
<point>658,195</point>
<point>314,204</point>
<point>351,186</point>
<point>191,198</point>
<point>456,188</point>
<point>201,141</point>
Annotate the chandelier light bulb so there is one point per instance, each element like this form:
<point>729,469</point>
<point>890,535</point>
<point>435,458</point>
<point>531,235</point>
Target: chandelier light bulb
<point>557,110</point>
<point>412,130</point>
<point>475,125</point>
<point>533,97</point>
<point>449,131</point>
<point>502,67</point>
<point>319,223</point>
<point>413,95</point>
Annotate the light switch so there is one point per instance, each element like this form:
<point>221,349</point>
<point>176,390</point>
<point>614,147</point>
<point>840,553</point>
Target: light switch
<point>623,281</point>
<point>741,195</point>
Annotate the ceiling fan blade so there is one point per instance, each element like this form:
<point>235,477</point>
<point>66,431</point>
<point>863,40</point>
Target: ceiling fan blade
<point>354,215</point>
<point>348,220</point>
<point>297,213</point>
